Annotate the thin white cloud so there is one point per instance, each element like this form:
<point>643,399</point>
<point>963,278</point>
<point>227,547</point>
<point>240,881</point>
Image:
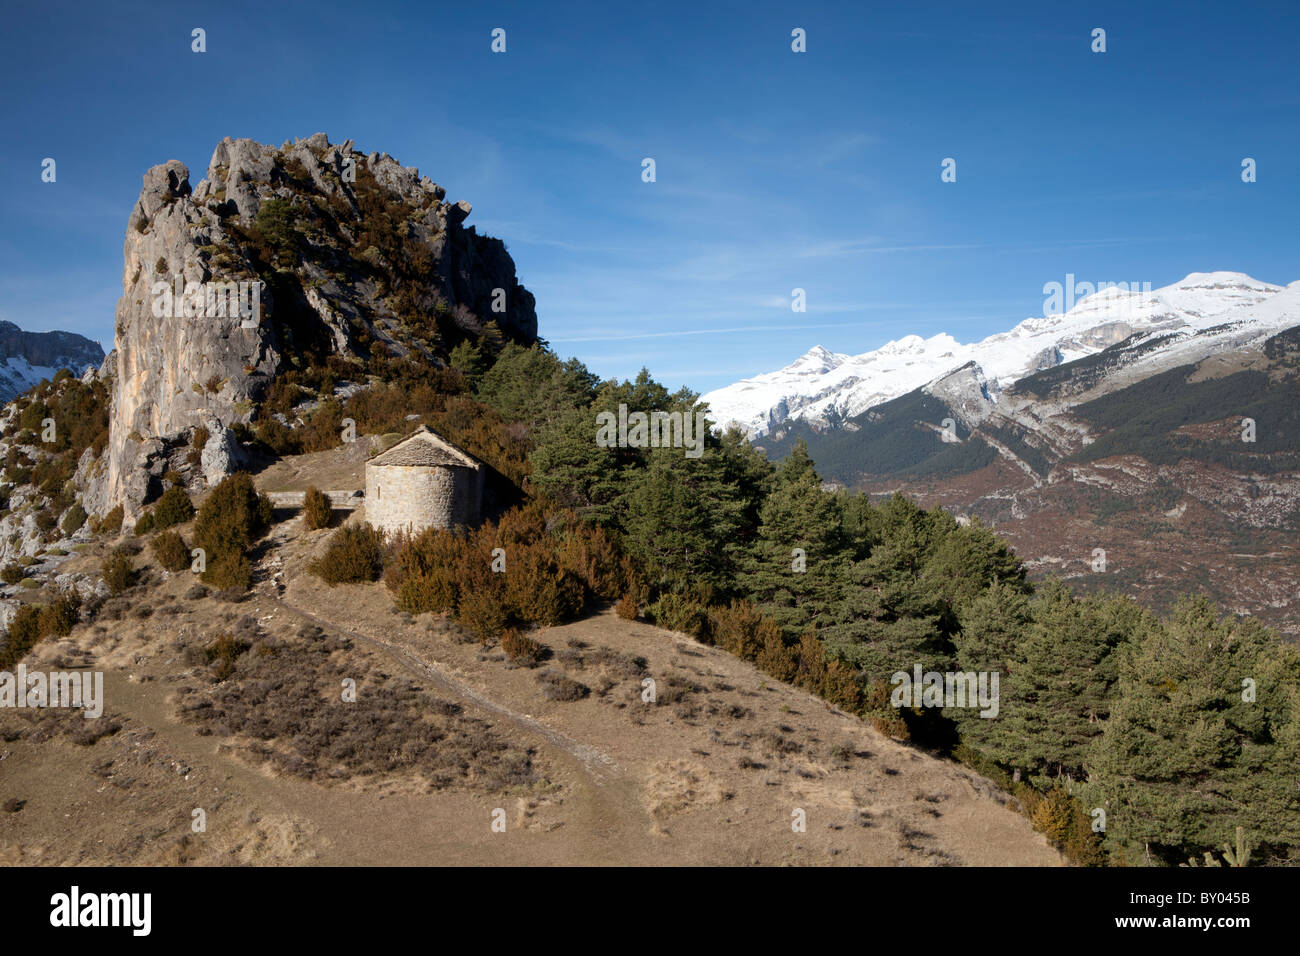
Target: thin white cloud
<point>679,333</point>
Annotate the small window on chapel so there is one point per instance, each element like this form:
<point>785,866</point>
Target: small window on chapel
<point>379,492</point>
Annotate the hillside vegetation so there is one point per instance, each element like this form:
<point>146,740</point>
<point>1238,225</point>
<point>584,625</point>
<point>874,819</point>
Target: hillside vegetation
<point>1104,705</point>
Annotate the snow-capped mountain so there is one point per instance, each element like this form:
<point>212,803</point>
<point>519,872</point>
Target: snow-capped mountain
<point>824,388</point>
<point>28,357</point>
<point>1173,449</point>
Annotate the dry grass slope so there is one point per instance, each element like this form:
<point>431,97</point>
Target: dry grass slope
<point>588,766</point>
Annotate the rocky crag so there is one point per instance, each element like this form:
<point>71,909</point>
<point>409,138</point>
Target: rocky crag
<point>346,254</point>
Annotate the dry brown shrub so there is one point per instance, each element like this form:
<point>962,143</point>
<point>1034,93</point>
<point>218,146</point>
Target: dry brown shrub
<point>522,649</point>
<point>627,607</point>
<point>556,686</point>
<point>538,590</point>
<point>482,613</point>
<point>170,550</point>
<point>355,555</point>
<point>316,510</point>
<point>776,658</point>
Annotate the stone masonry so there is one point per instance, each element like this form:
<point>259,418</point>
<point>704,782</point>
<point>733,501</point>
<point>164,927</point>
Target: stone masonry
<point>423,481</point>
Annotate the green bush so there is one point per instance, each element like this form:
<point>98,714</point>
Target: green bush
<point>170,550</point>
<point>111,523</point>
<point>144,524</point>
<point>74,519</point>
<point>230,571</point>
<point>275,224</point>
<point>173,508</point>
<point>11,573</point>
<point>33,416</point>
<point>316,509</point>
<point>676,612</point>
<point>222,654</point>
<point>117,572</point>
<point>60,616</point>
<point>24,632</point>
<point>232,517</point>
<point>355,555</point>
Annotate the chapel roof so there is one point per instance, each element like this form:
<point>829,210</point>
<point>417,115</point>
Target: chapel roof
<point>425,448</point>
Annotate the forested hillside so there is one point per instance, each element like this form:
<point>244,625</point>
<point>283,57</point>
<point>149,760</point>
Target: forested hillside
<point>1179,729</point>
<point>1186,475</point>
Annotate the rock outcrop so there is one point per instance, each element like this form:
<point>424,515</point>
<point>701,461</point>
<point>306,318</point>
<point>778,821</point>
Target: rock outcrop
<point>354,250</point>
<point>221,455</point>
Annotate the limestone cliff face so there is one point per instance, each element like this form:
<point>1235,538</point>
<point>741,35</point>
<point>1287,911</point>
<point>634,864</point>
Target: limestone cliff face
<point>352,250</point>
<point>174,373</point>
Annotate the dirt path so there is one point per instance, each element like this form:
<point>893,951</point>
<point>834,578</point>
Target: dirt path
<point>710,774</point>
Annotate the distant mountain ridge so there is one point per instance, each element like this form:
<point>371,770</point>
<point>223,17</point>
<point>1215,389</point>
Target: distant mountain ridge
<point>1164,463</point>
<point>28,357</point>
<point>825,388</point>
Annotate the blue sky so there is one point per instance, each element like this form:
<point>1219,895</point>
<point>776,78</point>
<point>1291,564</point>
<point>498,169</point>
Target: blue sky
<point>775,170</point>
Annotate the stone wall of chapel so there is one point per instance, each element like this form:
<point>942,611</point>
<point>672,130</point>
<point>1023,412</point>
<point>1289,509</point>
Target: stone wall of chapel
<point>413,497</point>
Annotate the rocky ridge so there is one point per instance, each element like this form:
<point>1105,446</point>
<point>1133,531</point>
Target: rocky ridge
<point>371,250</point>
<point>28,357</point>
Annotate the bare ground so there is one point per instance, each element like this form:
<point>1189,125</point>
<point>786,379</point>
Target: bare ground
<point>714,771</point>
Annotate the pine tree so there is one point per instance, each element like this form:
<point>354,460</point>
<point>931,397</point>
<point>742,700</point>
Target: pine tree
<point>1066,670</point>
<point>796,570</point>
<point>993,627</point>
<point>568,465</point>
<point>467,358</point>
<point>890,617</point>
<point>1184,757</point>
<point>750,476</point>
<point>531,385</point>
<point>1057,665</point>
<point>680,520</point>
<point>965,561</point>
<point>643,394</point>
<point>860,523</point>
